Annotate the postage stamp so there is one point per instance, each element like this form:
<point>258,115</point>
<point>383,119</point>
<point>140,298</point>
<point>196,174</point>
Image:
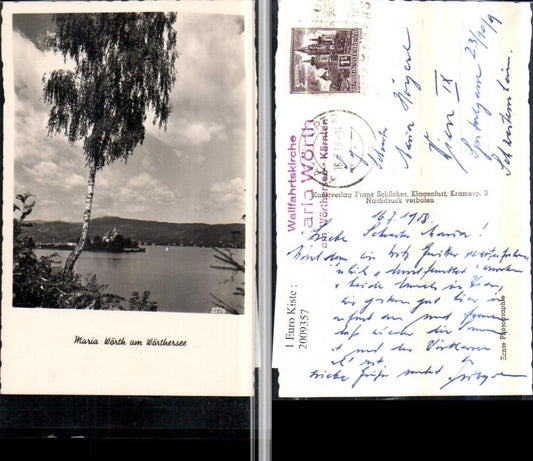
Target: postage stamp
<point>334,147</point>
<point>325,60</point>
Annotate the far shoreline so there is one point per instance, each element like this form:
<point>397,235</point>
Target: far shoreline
<point>142,249</point>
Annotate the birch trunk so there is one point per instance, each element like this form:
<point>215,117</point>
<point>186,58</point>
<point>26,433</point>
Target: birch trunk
<point>73,257</point>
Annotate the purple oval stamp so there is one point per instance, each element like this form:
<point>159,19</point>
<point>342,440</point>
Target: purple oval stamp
<point>333,148</point>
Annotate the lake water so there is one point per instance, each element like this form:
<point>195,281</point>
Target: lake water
<point>180,279</point>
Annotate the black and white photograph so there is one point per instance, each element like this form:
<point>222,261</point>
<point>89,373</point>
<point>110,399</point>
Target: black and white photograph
<point>130,151</point>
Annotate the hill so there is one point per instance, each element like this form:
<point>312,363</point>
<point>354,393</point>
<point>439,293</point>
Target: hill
<point>145,232</point>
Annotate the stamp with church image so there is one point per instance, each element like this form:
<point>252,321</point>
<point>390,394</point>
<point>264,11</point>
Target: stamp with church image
<point>325,60</point>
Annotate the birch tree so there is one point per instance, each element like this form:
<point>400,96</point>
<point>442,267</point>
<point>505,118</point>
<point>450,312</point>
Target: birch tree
<point>124,71</point>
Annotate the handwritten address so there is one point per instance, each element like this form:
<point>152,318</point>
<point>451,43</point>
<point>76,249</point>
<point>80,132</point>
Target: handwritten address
<point>472,104</point>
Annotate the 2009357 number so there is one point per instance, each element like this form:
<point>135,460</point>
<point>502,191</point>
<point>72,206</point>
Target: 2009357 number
<point>303,332</point>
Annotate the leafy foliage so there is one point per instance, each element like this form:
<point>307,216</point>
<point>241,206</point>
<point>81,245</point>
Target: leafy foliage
<point>124,68</point>
<point>40,282</point>
<point>229,263</point>
<point>142,303</point>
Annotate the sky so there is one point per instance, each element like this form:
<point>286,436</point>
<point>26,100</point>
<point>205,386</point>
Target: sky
<point>192,172</point>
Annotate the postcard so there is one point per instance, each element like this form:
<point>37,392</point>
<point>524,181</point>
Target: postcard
<point>129,207</point>
<point>402,199</point>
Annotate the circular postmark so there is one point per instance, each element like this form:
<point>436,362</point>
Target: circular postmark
<point>334,148</point>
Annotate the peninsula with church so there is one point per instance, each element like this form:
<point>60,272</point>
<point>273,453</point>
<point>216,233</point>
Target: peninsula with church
<point>115,234</point>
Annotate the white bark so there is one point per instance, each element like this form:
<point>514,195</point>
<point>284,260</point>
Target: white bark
<point>73,257</point>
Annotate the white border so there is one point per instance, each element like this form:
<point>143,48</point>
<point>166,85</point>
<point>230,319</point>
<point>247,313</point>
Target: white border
<point>38,353</point>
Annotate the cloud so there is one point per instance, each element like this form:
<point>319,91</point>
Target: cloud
<point>229,196</point>
<point>141,181</point>
<point>188,173</point>
<point>200,132</point>
<point>208,98</point>
<point>144,187</point>
<point>54,175</point>
<point>179,153</point>
<point>32,143</point>
<point>43,171</point>
<point>28,78</point>
<point>122,196</point>
<point>75,180</point>
<point>236,185</point>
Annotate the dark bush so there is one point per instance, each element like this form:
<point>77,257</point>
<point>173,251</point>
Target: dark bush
<point>42,282</point>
